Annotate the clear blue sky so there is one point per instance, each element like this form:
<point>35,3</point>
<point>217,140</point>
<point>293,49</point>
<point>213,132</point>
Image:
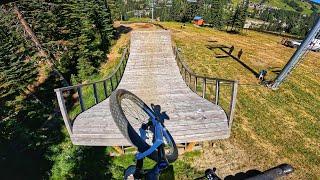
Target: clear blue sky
<point>316,1</point>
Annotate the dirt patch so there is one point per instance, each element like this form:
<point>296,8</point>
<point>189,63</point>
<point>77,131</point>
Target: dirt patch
<point>228,158</point>
<point>144,26</point>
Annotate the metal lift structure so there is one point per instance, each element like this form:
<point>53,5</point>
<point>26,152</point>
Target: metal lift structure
<point>297,56</point>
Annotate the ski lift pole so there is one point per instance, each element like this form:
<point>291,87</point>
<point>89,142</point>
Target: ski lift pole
<point>152,10</point>
<point>296,57</point>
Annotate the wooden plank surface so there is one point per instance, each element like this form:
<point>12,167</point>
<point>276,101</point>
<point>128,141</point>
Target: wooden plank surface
<point>153,75</point>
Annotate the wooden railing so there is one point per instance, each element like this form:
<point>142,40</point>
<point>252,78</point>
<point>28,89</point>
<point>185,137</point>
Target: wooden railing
<point>201,86</point>
<point>73,100</point>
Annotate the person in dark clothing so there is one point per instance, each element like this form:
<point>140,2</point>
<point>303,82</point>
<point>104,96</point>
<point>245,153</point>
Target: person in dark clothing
<point>231,49</point>
<point>240,54</point>
<point>262,75</point>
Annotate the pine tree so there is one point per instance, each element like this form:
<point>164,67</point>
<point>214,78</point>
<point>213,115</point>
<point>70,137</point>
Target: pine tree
<point>20,116</point>
<point>103,21</point>
<point>238,19</point>
<point>116,9</point>
<point>191,11</point>
<point>77,34</point>
<point>72,30</point>
<point>85,69</point>
<point>216,14</point>
<point>17,69</point>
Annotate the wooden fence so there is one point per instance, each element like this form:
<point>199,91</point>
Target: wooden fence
<point>200,85</point>
<point>73,100</point>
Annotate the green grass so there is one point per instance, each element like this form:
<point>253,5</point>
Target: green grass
<point>88,95</point>
<point>91,162</point>
<point>88,91</point>
<point>271,126</point>
<point>182,169</point>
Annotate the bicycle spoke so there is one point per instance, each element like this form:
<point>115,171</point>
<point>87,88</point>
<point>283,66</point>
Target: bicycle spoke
<point>137,114</point>
<point>140,114</point>
<point>124,108</point>
<point>134,108</point>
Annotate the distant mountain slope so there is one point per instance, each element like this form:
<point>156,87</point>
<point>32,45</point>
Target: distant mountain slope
<point>301,6</point>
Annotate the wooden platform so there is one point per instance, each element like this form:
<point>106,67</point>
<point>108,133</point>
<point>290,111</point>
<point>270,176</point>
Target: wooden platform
<point>153,75</point>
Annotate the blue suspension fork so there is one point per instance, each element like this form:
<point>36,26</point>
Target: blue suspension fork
<point>158,140</point>
<point>158,144</point>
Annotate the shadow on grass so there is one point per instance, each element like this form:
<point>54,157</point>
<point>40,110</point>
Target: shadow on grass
<point>276,71</point>
<point>182,168</point>
<point>93,163</point>
<point>26,138</point>
<point>33,142</point>
<point>221,47</point>
<point>122,30</point>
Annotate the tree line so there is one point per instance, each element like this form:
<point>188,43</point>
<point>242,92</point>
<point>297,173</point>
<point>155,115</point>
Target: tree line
<point>45,45</point>
<point>222,13</point>
<point>216,13</point>
<point>280,20</point>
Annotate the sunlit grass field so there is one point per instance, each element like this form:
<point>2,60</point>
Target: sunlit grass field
<point>270,127</point>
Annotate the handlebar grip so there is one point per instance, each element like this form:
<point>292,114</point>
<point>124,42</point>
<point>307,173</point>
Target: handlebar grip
<point>273,173</point>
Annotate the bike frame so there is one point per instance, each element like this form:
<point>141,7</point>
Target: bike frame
<point>159,132</point>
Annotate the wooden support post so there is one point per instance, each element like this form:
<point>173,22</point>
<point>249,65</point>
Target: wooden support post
<point>111,84</point>
<point>217,92</point>
<point>120,70</point>
<point>119,74</point>
<point>117,77</point>
<point>195,84</point>
<point>118,149</point>
<point>80,99</point>
<point>115,74</point>
<point>123,66</point>
<point>105,88</point>
<point>64,111</point>
<point>233,103</point>
<point>124,63</point>
<point>190,80</point>
<point>204,87</point>
<point>190,146</point>
<point>95,94</point>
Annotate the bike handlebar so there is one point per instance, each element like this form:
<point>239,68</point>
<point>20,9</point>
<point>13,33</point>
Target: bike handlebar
<point>270,174</point>
<point>273,173</point>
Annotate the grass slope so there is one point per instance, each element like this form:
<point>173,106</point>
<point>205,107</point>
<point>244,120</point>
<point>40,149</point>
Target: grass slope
<point>270,127</point>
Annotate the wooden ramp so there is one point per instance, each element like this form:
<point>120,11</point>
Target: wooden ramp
<point>153,75</point>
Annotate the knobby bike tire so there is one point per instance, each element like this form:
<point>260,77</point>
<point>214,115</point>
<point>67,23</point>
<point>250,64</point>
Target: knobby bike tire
<point>128,131</point>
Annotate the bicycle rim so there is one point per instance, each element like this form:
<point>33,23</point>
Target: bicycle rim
<point>137,115</point>
<point>168,145</point>
<point>134,113</point>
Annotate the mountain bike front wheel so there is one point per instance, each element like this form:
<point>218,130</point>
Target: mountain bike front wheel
<point>129,113</point>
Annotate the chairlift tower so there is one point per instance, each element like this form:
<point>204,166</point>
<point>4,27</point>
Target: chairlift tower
<point>152,10</point>
<point>297,56</point>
